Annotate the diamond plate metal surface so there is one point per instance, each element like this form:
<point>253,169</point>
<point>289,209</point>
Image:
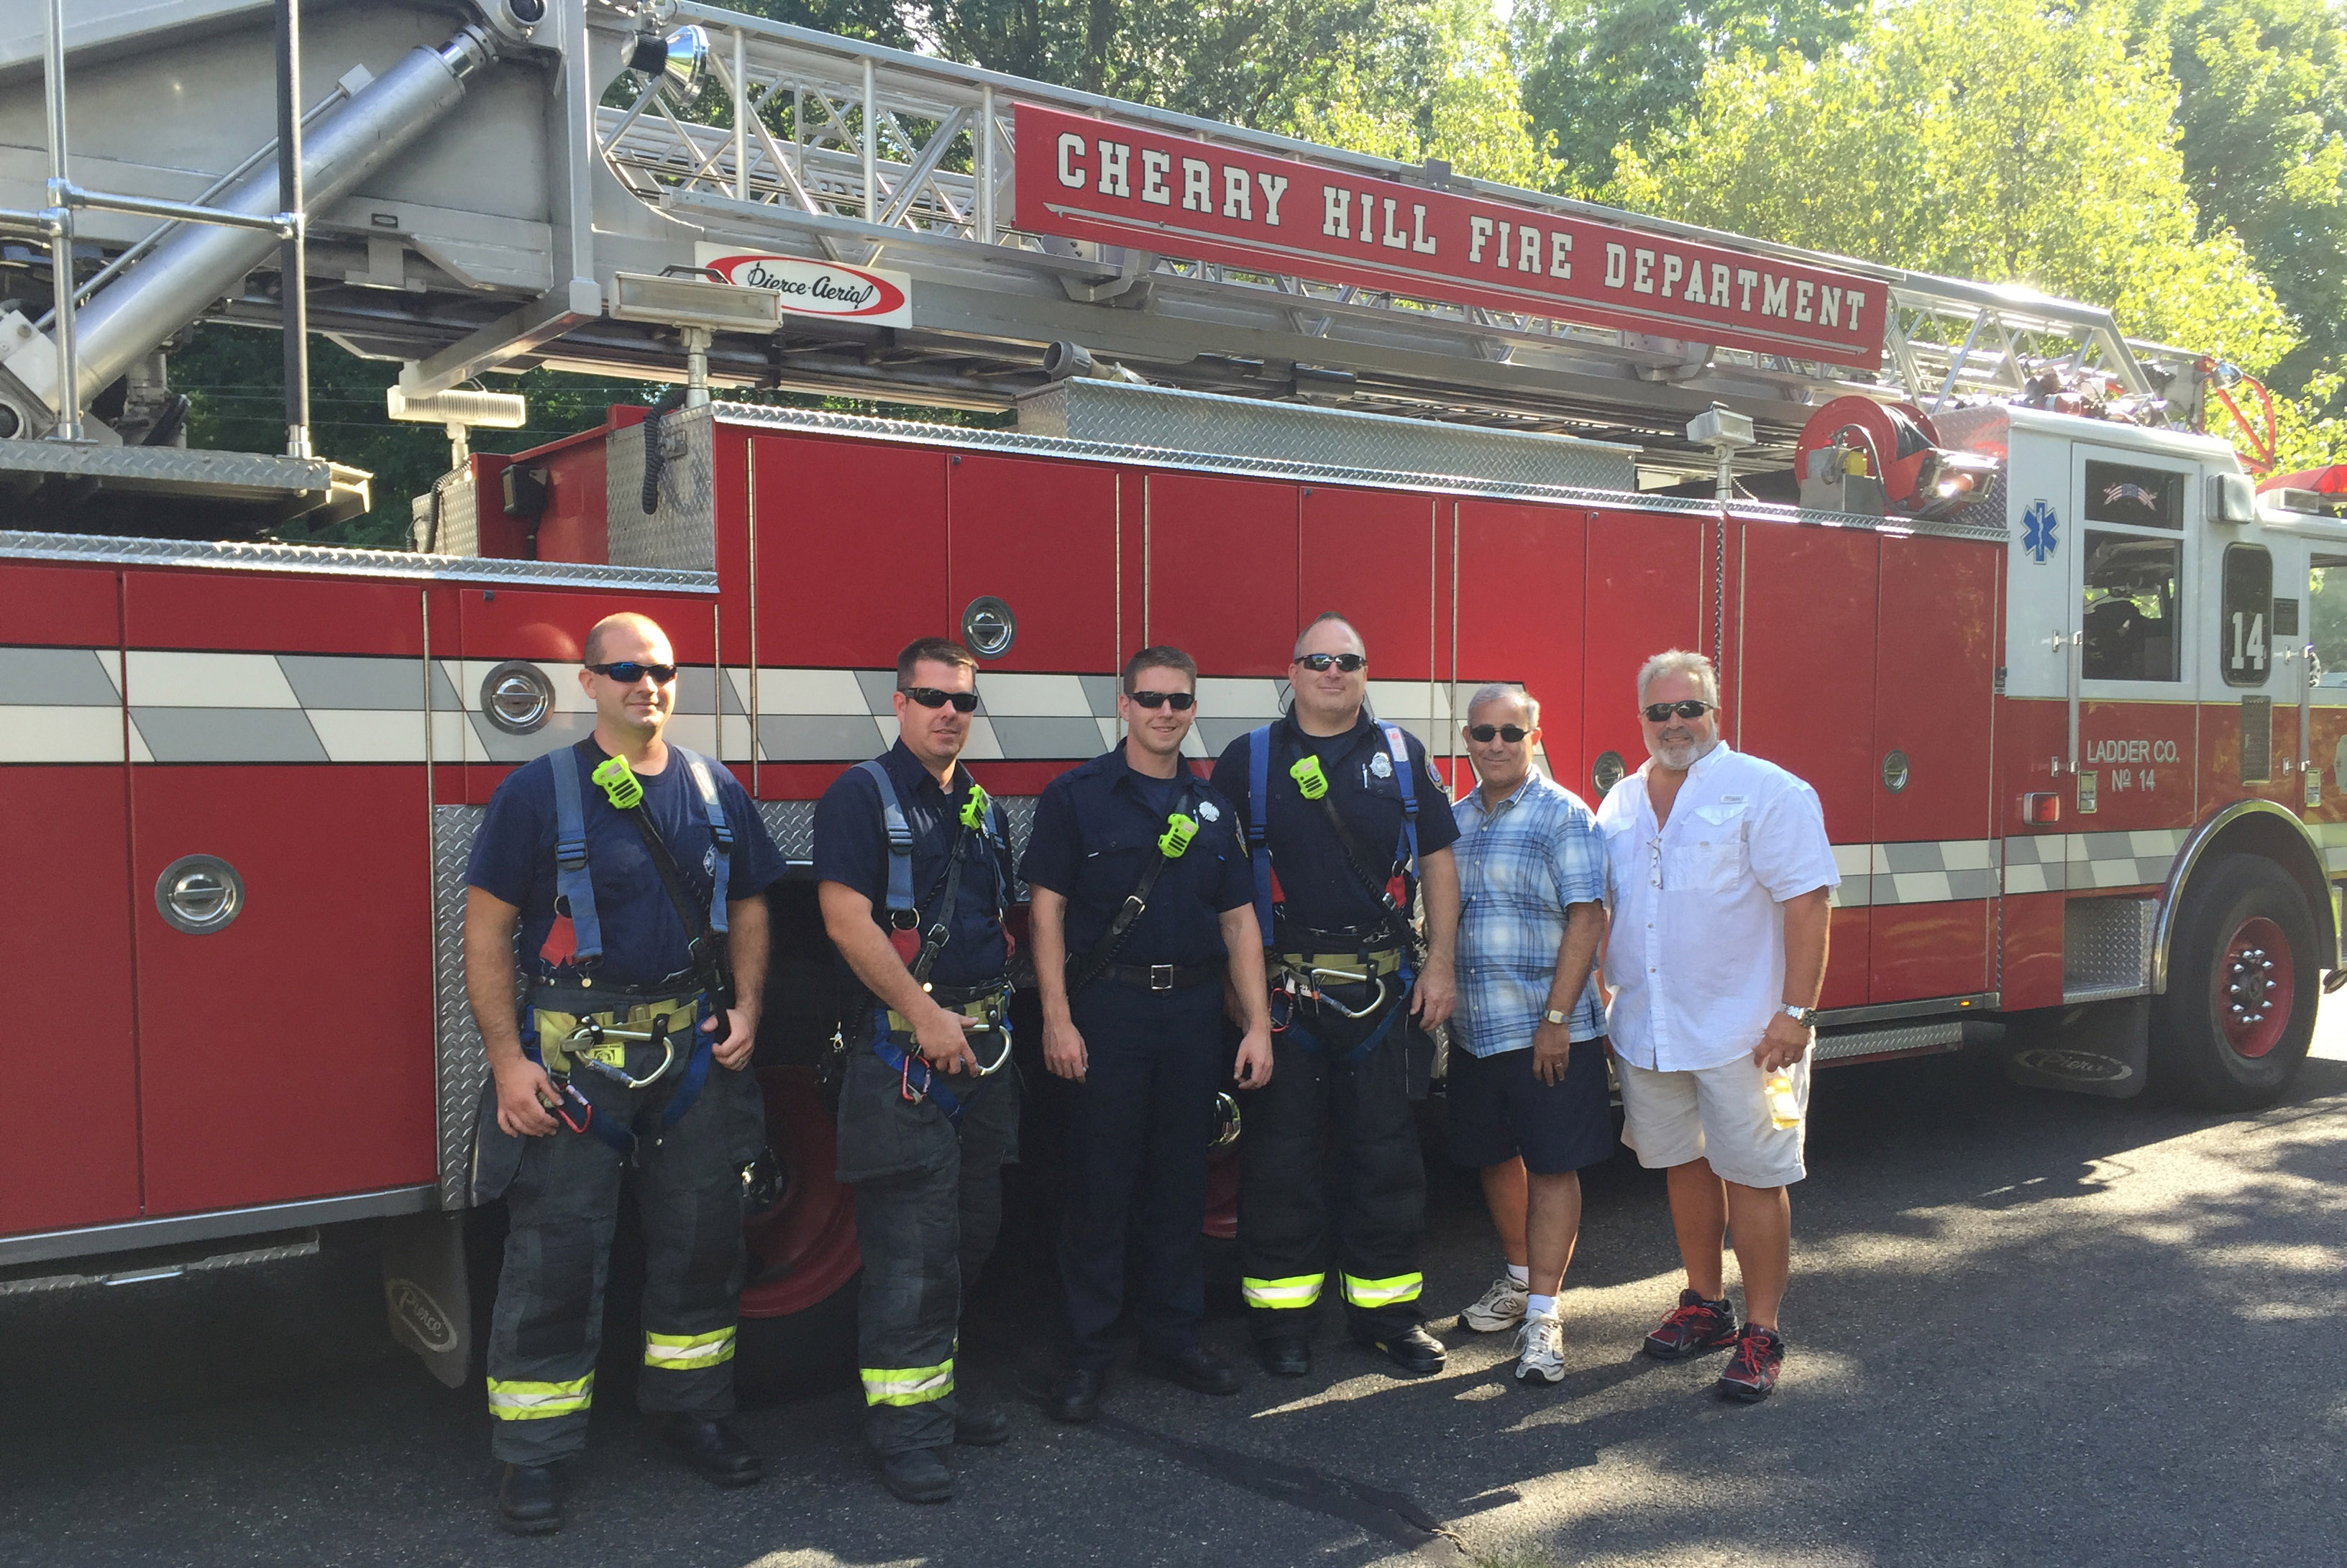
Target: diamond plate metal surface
<point>170,467</point>
<point>334,561</point>
<point>791,824</point>
<point>1116,413</point>
<point>2105,949</point>
<point>460,1063</point>
<point>1020,443</point>
<point>1897,1037</point>
<point>681,532</point>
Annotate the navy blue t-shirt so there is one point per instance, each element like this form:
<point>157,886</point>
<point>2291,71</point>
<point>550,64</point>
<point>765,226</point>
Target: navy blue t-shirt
<point>1096,828</point>
<point>643,940</point>
<point>851,847</point>
<point>1322,894</point>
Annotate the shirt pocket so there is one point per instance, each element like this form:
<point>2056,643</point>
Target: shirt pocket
<point>1712,857</point>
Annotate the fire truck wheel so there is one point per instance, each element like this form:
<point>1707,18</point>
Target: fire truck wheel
<point>797,1328</point>
<point>2242,982</point>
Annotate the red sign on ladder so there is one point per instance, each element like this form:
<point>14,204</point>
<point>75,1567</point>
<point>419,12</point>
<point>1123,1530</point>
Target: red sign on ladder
<point>1086,178</point>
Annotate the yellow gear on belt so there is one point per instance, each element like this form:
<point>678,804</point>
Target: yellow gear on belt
<point>555,1029</point>
<point>1386,963</point>
<point>987,1010</point>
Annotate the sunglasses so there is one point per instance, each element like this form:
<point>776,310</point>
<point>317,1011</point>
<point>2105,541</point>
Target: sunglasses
<point>1347,662</point>
<point>1511,733</point>
<point>931,697</point>
<point>1692,708</point>
<point>627,672</point>
<point>1182,701</point>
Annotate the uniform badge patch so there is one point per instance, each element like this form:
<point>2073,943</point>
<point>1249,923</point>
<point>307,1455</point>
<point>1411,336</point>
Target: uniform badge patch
<point>1209,810</point>
<point>1381,767</point>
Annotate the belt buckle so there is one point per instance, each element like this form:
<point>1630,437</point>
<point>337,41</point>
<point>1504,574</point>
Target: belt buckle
<point>1160,977</point>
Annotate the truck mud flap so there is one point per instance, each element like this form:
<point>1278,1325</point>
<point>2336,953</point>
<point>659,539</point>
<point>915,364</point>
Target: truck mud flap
<point>427,1292</point>
<point>2092,1047</point>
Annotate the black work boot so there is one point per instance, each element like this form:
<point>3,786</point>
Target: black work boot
<point>1195,1368</point>
<point>529,1500</point>
<point>1414,1350</point>
<point>710,1448</point>
<point>1284,1358</point>
<point>916,1475</point>
<point>977,1426</point>
<point>1076,1397</point>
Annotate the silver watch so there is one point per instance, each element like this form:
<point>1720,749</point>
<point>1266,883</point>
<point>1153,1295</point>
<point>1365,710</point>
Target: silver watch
<point>1806,1017</point>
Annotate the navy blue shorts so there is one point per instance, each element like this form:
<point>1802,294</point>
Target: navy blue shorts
<point>1499,1110</point>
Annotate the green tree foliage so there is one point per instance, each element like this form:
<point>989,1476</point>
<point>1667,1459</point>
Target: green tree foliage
<point>1436,81</point>
<point>1600,73</point>
<point>2263,127</point>
<point>2045,158</point>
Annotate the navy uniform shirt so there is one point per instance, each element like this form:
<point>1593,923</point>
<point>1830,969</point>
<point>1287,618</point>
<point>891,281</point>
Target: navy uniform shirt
<point>851,847</point>
<point>643,940</point>
<point>1096,831</point>
<point>1322,894</point>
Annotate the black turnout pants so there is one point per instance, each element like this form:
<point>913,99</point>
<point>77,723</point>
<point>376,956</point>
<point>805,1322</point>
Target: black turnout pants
<point>928,1205</point>
<point>564,1202</point>
<point>1145,1115</point>
<point>1333,1175</point>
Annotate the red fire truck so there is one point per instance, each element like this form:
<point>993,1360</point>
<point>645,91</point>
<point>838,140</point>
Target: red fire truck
<point>2060,676</point>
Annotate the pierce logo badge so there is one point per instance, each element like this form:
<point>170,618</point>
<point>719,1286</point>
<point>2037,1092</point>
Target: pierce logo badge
<point>414,1306</point>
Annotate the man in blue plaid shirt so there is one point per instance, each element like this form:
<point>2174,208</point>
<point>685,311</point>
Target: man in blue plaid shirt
<point>1527,1090</point>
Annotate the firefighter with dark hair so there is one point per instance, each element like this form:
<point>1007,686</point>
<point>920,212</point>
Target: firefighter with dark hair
<point>1347,825</point>
<point>913,863</point>
<point>1141,903</point>
<point>634,873</point>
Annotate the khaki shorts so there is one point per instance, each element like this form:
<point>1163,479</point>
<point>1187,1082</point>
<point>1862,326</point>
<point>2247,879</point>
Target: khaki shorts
<point>1715,1113</point>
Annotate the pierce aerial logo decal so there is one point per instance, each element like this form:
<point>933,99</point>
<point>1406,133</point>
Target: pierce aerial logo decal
<point>2037,531</point>
<point>830,289</point>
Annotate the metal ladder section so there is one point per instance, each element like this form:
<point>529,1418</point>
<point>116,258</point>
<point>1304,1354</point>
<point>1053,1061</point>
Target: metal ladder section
<point>893,159</point>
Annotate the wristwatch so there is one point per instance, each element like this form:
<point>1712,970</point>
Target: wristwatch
<point>1554,1017</point>
<point>1806,1017</point>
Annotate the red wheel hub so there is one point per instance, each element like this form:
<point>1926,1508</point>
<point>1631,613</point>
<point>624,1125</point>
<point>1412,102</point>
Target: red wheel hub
<point>2257,985</point>
<point>803,1249</point>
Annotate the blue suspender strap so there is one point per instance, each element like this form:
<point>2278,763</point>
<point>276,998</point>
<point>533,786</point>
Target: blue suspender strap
<point>721,836</point>
<point>1399,752</point>
<point>900,840</point>
<point>897,1060</point>
<point>570,875</point>
<point>1258,824</point>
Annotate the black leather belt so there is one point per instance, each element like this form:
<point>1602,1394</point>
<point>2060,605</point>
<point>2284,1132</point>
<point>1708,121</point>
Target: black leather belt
<point>1162,977</point>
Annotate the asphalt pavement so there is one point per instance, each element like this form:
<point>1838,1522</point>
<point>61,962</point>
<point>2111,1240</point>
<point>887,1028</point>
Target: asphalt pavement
<point>2026,1328</point>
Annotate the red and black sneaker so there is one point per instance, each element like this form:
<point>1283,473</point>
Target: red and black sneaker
<point>1752,1370</point>
<point>1697,1328</point>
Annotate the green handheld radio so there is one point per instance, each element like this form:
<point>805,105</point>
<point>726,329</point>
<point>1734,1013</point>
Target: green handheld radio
<point>1179,831</point>
<point>973,809</point>
<point>1308,777</point>
<point>619,783</point>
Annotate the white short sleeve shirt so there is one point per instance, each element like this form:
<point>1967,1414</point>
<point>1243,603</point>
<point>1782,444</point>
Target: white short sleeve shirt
<point>1696,951</point>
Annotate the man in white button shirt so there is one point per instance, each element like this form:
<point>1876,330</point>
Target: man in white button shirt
<point>1719,877</point>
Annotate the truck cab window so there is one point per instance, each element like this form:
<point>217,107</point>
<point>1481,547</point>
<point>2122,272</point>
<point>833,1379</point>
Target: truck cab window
<point>2326,620</point>
<point>2131,614</point>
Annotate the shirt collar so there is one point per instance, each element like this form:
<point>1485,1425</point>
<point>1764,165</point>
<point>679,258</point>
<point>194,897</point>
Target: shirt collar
<point>1361,725</point>
<point>1122,773</point>
<point>1514,797</point>
<point>912,776</point>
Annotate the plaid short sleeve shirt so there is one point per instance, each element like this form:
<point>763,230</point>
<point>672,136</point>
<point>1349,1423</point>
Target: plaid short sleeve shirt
<point>1521,866</point>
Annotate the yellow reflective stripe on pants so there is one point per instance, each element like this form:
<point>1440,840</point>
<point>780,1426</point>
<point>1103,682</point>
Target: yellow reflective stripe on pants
<point>1302,1290</point>
<point>518,1402</point>
<point>907,1385</point>
<point>684,1352</point>
<point>1391,1292</point>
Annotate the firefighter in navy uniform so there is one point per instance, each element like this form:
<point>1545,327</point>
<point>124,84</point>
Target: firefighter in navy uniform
<point>634,873</point>
<point>1139,889</point>
<point>1336,807</point>
<point>913,863</point>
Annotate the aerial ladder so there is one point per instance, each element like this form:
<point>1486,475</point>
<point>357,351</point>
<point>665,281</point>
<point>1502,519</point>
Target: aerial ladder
<point>504,184</point>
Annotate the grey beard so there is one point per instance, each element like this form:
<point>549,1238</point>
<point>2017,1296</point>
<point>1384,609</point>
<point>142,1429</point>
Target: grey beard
<point>1681,755</point>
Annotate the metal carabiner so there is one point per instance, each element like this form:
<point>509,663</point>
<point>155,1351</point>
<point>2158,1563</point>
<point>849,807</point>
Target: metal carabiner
<point>1348,978</point>
<point>596,1034</point>
<point>996,1023</point>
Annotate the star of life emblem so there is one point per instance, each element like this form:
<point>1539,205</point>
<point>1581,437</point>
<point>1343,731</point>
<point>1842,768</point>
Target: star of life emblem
<point>2038,525</point>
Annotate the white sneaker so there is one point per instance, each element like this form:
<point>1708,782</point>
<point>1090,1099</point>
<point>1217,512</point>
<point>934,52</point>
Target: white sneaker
<point>1502,1306</point>
<point>1540,1350</point>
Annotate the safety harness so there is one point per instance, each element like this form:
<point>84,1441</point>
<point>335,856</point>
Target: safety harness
<point>1303,976</point>
<point>570,1023</point>
<point>918,946</point>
